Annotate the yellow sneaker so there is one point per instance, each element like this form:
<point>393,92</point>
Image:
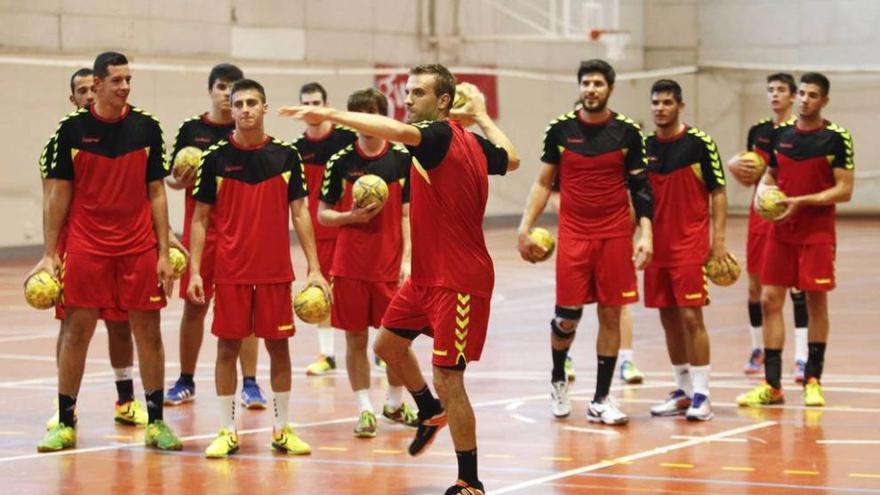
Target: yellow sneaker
<point>54,421</point>
<point>762,395</point>
<point>286,442</point>
<point>813,394</point>
<point>366,426</point>
<point>224,445</point>
<point>324,365</point>
<point>60,437</point>
<point>130,413</point>
<point>159,435</point>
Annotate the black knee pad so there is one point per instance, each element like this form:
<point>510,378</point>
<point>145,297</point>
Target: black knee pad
<point>564,325</point>
<point>798,297</point>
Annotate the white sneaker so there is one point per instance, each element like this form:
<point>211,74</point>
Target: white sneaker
<point>607,412</point>
<point>677,403</point>
<point>700,410</point>
<point>559,403</point>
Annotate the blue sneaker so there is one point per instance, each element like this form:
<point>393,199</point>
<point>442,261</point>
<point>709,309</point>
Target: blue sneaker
<point>800,367</point>
<point>700,410</point>
<point>252,396</point>
<point>181,392</point>
<point>755,363</point>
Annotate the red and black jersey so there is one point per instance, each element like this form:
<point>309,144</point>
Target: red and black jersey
<point>315,153</point>
<point>683,171</point>
<point>805,163</point>
<point>200,132</point>
<point>46,155</point>
<point>251,189</point>
<point>759,140</point>
<point>373,250</point>
<point>110,163</point>
<point>449,189</point>
<point>594,163</point>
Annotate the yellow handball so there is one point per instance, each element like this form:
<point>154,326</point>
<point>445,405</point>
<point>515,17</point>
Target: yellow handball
<point>545,239</point>
<point>311,305</point>
<point>42,290</point>
<point>187,158</point>
<point>461,97</point>
<point>369,189</point>
<point>767,203</point>
<point>724,272</point>
<point>178,261</point>
<point>760,164</point>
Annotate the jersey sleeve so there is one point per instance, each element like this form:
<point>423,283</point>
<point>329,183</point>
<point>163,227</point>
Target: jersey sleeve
<point>436,138</point>
<point>180,140</point>
<point>60,164</point>
<point>46,155</point>
<point>551,152</point>
<point>635,145</point>
<point>751,138</point>
<point>296,186</point>
<point>205,188</point>
<point>157,165</point>
<point>496,156</point>
<point>710,164</point>
<point>844,154</point>
<point>334,173</point>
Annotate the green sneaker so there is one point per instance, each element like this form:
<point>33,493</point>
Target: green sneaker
<point>58,438</point>
<point>403,415</point>
<point>630,374</point>
<point>366,427</point>
<point>569,369</point>
<point>159,435</point>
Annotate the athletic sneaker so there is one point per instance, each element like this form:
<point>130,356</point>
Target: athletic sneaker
<point>324,365</point>
<point>252,396</point>
<point>286,442</point>
<point>130,413</point>
<point>630,374</point>
<point>403,415</point>
<point>755,362</point>
<point>606,411</point>
<point>224,445</point>
<point>366,425</point>
<point>426,431</point>
<point>55,420</point>
<point>700,410</point>
<point>560,406</point>
<point>762,395</point>
<point>799,367</point>
<point>159,435</point>
<point>569,369</point>
<point>58,438</point>
<point>463,488</point>
<point>179,393</point>
<point>813,394</point>
<point>677,403</point>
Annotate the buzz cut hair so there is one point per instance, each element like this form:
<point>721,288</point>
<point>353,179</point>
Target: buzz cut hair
<point>82,72</point>
<point>245,84</point>
<point>105,60</point>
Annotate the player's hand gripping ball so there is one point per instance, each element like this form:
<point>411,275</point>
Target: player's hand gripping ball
<point>187,158</point>
<point>545,239</point>
<point>369,189</point>
<point>767,203</point>
<point>461,97</point>
<point>42,290</point>
<point>723,272</point>
<point>760,164</point>
<point>311,305</point>
<point>178,261</point>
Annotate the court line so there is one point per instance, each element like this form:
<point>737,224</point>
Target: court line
<point>784,407</point>
<point>848,442</point>
<point>633,457</point>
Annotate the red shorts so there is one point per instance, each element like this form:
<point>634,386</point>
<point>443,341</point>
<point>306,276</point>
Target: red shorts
<point>208,255</point>
<point>359,304</point>
<point>326,248</point>
<point>265,310</point>
<point>755,247</point>
<point>457,321</point>
<point>678,286</point>
<point>107,314</point>
<point>127,282</point>
<point>809,267</point>
<point>599,270</point>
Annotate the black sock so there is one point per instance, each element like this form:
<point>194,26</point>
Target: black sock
<point>187,378</point>
<point>801,319</point>
<point>604,375</point>
<point>154,405</point>
<point>124,391</point>
<point>558,374</point>
<point>467,466</point>
<point>773,367</point>
<point>815,361</point>
<point>427,404</point>
<point>251,379</point>
<point>756,317</point>
<point>66,410</point>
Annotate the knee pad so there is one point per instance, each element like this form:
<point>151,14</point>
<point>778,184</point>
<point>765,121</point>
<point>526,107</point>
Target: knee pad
<point>798,297</point>
<point>564,324</point>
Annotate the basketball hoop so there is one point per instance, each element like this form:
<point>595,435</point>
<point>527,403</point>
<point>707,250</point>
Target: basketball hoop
<point>613,40</point>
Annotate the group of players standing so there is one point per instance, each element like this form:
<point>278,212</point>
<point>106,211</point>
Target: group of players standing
<point>429,272</point>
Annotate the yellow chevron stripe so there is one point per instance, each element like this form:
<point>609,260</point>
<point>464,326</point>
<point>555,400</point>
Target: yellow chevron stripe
<point>464,298</point>
<point>463,323</point>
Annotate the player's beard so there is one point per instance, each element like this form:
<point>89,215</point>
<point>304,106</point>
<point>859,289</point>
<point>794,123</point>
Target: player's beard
<point>421,116</point>
<point>600,106</point>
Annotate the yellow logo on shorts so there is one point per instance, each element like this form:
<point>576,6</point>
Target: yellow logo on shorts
<point>823,280</point>
<point>440,353</point>
<point>285,328</point>
<point>631,293</point>
<point>693,295</point>
<point>155,298</point>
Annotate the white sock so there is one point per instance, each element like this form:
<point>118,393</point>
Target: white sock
<point>394,398</point>
<point>227,411</point>
<point>683,378</point>
<point>123,374</point>
<point>757,338</point>
<point>282,406</point>
<point>700,377</point>
<point>325,341</point>
<point>625,355</point>
<point>363,397</point>
<point>800,344</point>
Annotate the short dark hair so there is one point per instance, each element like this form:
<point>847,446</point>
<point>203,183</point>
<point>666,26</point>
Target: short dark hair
<point>83,72</point>
<point>244,84</point>
<point>784,78</point>
<point>819,80</point>
<point>105,60</point>
<point>667,86</point>
<point>225,72</point>
<point>445,80</point>
<point>597,65</point>
<point>368,100</point>
<point>314,87</point>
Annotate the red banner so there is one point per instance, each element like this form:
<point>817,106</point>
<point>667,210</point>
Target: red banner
<point>394,87</point>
